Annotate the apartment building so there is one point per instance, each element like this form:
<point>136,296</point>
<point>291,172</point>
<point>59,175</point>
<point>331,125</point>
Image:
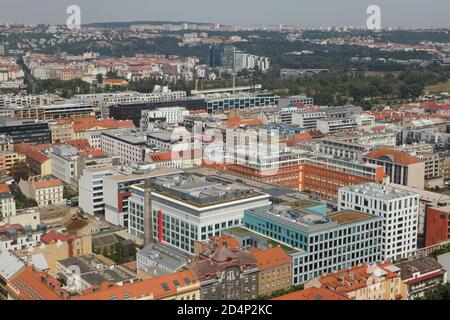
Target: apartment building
<point>182,285</point>
<point>8,159</point>
<point>45,192</point>
<point>39,163</point>
<point>421,275</point>
<point>16,237</point>
<point>91,272</point>
<point>7,202</point>
<point>226,275</point>
<point>6,143</point>
<point>328,243</point>
<point>275,272</point>
<point>364,282</point>
<point>399,210</point>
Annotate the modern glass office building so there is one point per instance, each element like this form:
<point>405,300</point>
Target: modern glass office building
<point>329,243</point>
<point>242,102</point>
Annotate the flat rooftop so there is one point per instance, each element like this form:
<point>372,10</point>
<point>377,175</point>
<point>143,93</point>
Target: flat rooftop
<point>380,191</point>
<point>349,216</point>
<point>200,191</point>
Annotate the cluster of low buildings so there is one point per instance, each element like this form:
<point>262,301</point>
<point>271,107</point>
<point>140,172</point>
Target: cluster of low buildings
<point>227,194</point>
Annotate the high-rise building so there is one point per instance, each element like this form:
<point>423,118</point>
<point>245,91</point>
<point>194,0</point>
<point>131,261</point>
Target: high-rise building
<point>398,208</point>
<point>229,57</point>
<point>215,56</point>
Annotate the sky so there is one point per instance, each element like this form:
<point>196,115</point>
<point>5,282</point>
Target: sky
<point>305,13</point>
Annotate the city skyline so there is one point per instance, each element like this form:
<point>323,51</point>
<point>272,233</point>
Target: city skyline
<point>320,13</point>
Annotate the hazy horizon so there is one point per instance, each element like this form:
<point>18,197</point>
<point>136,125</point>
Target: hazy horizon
<point>317,13</point>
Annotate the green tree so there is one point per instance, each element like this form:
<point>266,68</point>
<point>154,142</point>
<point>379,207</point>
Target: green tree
<point>20,171</point>
<point>99,78</point>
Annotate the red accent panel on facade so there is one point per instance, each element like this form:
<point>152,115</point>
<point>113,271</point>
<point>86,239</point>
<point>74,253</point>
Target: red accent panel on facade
<point>436,226</point>
<point>121,198</point>
<point>160,228</point>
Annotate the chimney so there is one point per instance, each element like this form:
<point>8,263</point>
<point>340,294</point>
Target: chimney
<point>148,219</point>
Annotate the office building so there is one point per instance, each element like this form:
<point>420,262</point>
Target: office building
<point>400,167</point>
<point>214,104</point>
<point>229,57</point>
<point>399,210</point>
<point>191,208</point>
<point>328,243</point>
<point>106,190</point>
<point>131,146</point>
<point>28,131</point>
<point>134,111</point>
<point>335,125</point>
<point>157,259</point>
<point>173,115</point>
<point>215,56</point>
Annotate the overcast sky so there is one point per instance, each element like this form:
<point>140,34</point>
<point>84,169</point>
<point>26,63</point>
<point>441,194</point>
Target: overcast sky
<point>403,13</point>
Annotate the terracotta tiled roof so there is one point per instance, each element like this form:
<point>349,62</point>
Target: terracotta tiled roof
<point>270,258</point>
<point>159,288</point>
<point>303,136</point>
<point>312,294</point>
<point>4,188</point>
<point>35,285</point>
<point>229,242</point>
<point>76,120</point>
<point>169,155</point>
<point>10,227</point>
<point>235,122</point>
<point>91,152</point>
<point>102,124</point>
<point>53,236</point>
<point>398,157</point>
<point>79,144</point>
<point>37,156</point>
<point>46,183</point>
<point>346,280</point>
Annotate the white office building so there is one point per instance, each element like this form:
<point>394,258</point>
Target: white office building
<point>191,208</point>
<point>336,125</point>
<point>172,115</point>
<point>399,209</point>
